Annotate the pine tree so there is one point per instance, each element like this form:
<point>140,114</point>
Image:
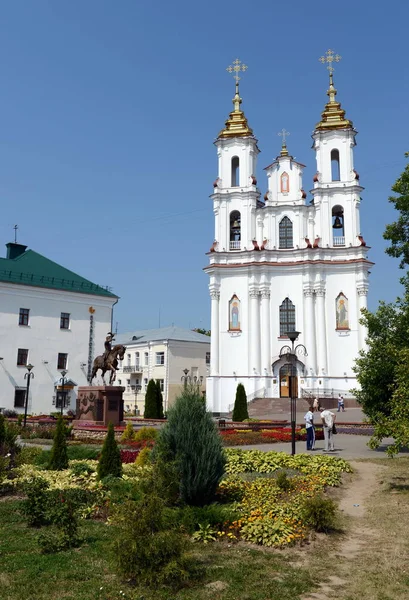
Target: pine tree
<point>190,444</point>
<point>110,459</point>
<point>151,401</point>
<point>159,401</point>
<point>59,456</point>
<point>240,411</point>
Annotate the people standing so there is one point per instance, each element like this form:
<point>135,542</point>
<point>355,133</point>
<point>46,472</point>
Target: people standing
<point>309,425</point>
<point>341,403</point>
<point>315,404</point>
<point>328,420</point>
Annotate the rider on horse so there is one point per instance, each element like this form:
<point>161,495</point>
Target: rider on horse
<point>108,346</point>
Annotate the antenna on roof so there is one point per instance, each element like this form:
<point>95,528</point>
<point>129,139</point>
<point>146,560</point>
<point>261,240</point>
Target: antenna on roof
<point>15,233</point>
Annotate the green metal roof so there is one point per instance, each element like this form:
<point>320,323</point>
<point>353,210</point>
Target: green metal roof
<point>31,268</point>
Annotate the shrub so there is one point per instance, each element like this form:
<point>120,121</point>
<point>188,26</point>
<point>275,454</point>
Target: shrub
<point>151,401</point>
<point>110,459</point>
<point>28,456</point>
<point>59,456</point>
<point>320,513</point>
<point>63,515</point>
<point>240,411</point>
<point>192,443</point>
<point>35,506</point>
<point>147,549</point>
<point>2,430</point>
<point>11,414</point>
<point>283,483</point>
<point>159,401</point>
<point>144,457</point>
<point>146,434</point>
<point>128,434</point>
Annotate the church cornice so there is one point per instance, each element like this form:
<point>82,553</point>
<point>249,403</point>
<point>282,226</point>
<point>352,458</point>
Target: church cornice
<point>363,262</point>
<point>325,188</point>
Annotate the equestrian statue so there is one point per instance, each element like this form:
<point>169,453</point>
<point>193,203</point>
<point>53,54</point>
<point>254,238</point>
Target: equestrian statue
<point>109,360</point>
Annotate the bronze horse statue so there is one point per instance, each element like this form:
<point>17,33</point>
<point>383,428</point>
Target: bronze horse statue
<point>108,362</point>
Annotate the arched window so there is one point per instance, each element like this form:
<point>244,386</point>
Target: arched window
<point>285,238</point>
<point>287,317</point>
<point>338,229</point>
<point>235,171</point>
<point>235,230</point>
<point>284,183</point>
<point>335,174</point>
<point>137,358</point>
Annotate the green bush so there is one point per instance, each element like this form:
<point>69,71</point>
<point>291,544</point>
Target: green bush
<point>159,401</point>
<point>191,518</point>
<point>148,551</point>
<point>320,513</point>
<point>110,459</point>
<point>151,401</point>
<point>283,482</point>
<point>240,411</point>
<point>2,430</point>
<point>129,433</point>
<point>59,456</point>
<point>146,434</point>
<point>191,443</point>
<point>144,457</point>
<point>28,456</point>
<point>35,507</point>
<point>63,515</point>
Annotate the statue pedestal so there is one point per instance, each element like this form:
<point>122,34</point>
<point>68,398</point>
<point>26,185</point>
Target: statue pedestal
<point>100,404</point>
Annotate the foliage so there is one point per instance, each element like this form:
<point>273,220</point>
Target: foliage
<point>128,456</point>
<point>35,506</point>
<point>191,441</point>
<point>63,514</point>
<point>202,331</point>
<point>128,434</point>
<point>2,430</point>
<point>151,401</point>
<point>110,459</point>
<point>144,457</point>
<point>59,456</point>
<point>398,232</point>
<point>320,513</point>
<point>28,455</point>
<point>240,411</point>
<point>146,434</point>
<point>147,549</point>
<point>10,413</point>
<point>283,482</point>
<point>159,401</point>
<point>244,437</point>
<point>191,518</point>
<point>204,534</point>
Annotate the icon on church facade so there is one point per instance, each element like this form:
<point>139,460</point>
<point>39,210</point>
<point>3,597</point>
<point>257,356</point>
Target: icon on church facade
<point>234,314</point>
<point>285,186</point>
<point>341,307</point>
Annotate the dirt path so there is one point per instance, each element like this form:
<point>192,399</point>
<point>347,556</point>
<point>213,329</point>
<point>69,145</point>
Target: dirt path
<point>353,505</point>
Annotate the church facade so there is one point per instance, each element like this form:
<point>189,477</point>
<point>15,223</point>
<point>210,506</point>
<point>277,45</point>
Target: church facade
<point>281,263</point>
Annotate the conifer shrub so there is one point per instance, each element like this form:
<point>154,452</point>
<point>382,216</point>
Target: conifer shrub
<point>240,411</point>
<point>144,457</point>
<point>110,459</point>
<point>129,433</point>
<point>59,457</point>
<point>191,445</point>
<point>146,434</point>
<point>159,401</point>
<point>320,513</point>
<point>151,401</point>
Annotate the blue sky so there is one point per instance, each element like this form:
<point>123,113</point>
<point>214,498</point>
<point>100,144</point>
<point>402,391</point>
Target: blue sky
<point>109,111</point>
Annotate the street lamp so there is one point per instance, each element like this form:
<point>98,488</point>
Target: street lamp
<point>27,376</point>
<point>186,378</point>
<point>63,373</point>
<point>137,389</point>
<point>291,354</point>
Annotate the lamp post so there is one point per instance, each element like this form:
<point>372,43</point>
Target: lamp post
<point>291,354</point>
<point>137,389</point>
<point>185,378</point>
<point>63,373</point>
<point>27,376</point>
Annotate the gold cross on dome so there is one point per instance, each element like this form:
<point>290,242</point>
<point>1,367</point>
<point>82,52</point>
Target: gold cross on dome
<point>329,58</point>
<point>283,133</point>
<point>236,68</point>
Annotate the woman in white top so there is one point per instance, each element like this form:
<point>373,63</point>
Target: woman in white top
<point>328,420</point>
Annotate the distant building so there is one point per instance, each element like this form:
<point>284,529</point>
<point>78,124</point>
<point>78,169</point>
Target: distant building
<point>50,318</point>
<point>161,354</point>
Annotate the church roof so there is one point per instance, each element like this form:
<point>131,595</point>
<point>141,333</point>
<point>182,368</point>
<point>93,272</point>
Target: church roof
<point>333,116</point>
<point>161,334</point>
<point>236,124</point>
<point>27,267</point>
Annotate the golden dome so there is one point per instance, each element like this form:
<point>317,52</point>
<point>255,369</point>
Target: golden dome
<point>333,116</point>
<point>236,124</point>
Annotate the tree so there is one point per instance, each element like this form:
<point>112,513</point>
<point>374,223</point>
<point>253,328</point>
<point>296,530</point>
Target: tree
<point>202,331</point>
<point>240,411</point>
<point>398,232</point>
<point>191,444</point>
<point>110,459</point>
<point>159,401</point>
<point>151,401</point>
<point>59,456</point>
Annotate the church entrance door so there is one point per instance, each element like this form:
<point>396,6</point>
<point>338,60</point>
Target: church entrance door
<point>285,373</point>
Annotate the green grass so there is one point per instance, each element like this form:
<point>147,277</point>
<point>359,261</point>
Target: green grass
<point>74,453</point>
<point>249,573</point>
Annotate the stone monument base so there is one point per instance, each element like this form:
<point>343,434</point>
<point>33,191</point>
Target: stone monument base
<point>100,404</point>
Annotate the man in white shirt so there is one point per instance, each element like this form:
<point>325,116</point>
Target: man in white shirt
<point>328,420</point>
<point>309,425</point>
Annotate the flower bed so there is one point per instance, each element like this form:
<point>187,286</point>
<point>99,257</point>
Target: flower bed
<point>243,437</point>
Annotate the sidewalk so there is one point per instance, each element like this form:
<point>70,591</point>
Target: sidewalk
<point>351,415</point>
<point>346,446</point>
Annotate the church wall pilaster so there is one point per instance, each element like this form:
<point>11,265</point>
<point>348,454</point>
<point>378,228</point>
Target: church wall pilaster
<point>322,365</point>
<point>215,328</point>
<point>254,337</point>
<point>310,338</point>
<point>265,329</point>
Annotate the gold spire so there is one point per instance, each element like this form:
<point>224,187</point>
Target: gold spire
<point>333,116</point>
<point>284,151</point>
<point>236,124</point>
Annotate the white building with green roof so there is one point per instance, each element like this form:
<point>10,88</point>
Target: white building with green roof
<point>50,318</point>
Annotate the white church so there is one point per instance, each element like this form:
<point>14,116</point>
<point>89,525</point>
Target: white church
<point>282,263</point>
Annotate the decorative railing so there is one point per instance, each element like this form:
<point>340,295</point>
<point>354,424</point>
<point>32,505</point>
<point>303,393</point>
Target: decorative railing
<point>339,240</point>
<point>325,393</point>
<point>235,245</point>
<point>132,369</point>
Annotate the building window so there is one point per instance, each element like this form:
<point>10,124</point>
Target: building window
<point>335,172</point>
<point>145,384</point>
<point>128,357</point>
<point>208,358</point>
<point>338,230</point>
<point>285,233</point>
<point>65,321</point>
<point>62,360</point>
<point>137,359</point>
<point>162,384</point>
<point>137,381</point>
<point>287,317</point>
<point>61,399</point>
<point>24,316</point>
<point>235,230</point>
<point>160,358</point>
<point>235,171</point>
<point>119,381</point>
<point>128,382</point>
<point>22,357</point>
<point>19,398</point>
<point>146,359</point>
